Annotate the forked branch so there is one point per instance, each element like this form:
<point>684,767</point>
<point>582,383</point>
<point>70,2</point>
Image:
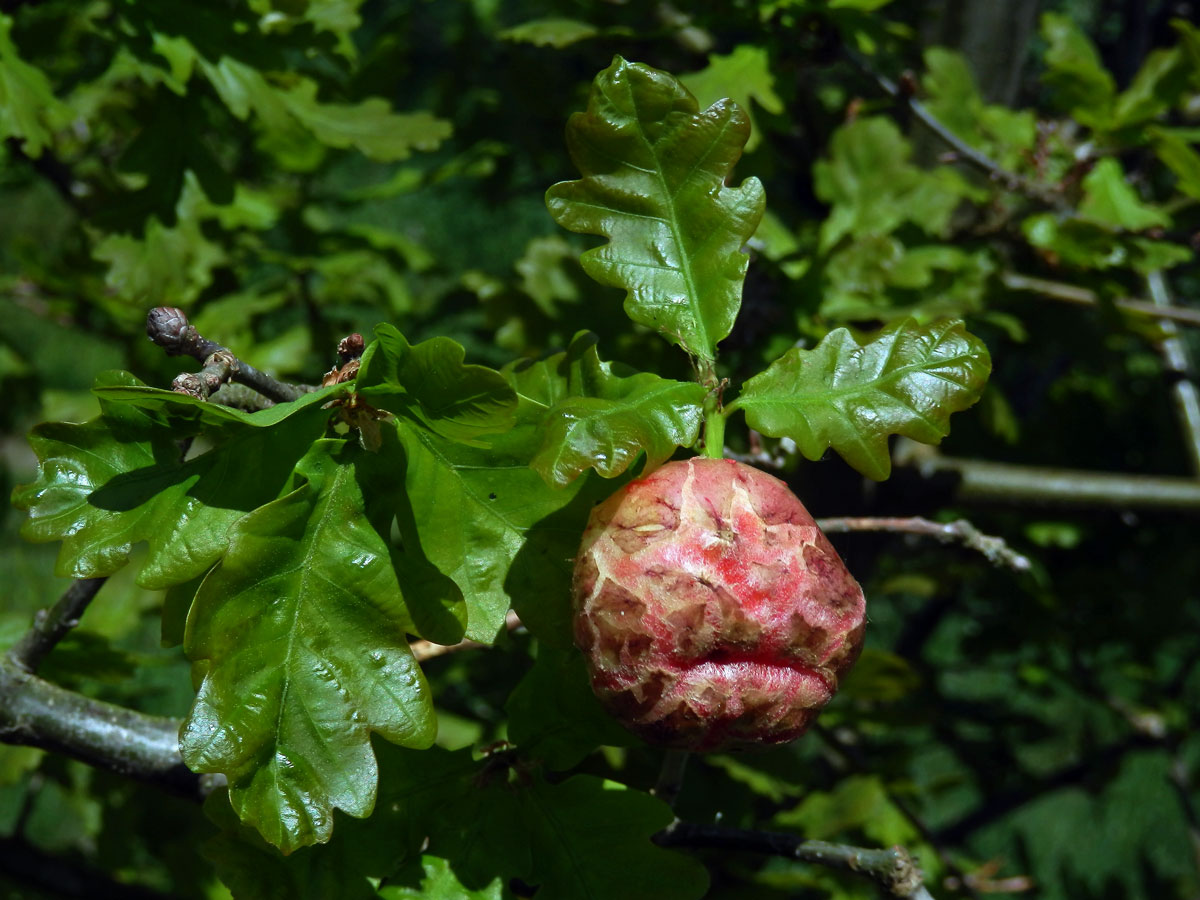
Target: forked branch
<point>893,869</point>
<point>168,327</point>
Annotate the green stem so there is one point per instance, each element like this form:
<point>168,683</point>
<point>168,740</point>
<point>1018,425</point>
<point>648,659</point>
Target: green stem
<point>714,431</point>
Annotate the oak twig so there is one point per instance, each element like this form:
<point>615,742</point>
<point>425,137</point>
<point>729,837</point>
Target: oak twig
<point>1071,293</point>
<point>168,327</point>
<point>893,869</point>
<point>995,549</point>
<point>51,625</point>
<point>850,758</point>
<point>962,150</point>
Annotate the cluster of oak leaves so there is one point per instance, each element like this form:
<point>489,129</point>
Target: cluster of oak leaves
<point>711,611</point>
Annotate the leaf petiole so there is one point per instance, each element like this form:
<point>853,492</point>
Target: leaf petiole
<point>714,427</point>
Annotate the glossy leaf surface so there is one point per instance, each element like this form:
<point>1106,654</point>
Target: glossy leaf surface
<point>599,420</point>
<point>431,383</point>
<point>111,483</point>
<point>475,509</point>
<point>300,634</point>
<point>850,397</point>
<point>654,168</point>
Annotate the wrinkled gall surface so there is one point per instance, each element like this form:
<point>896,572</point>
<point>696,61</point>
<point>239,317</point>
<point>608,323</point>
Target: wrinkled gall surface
<point>713,612</point>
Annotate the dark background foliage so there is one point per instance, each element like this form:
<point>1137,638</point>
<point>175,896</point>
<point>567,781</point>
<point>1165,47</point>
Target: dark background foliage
<point>290,171</point>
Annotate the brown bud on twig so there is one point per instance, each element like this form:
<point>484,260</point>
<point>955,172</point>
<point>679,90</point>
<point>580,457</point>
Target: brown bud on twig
<point>350,347</point>
<point>166,325</point>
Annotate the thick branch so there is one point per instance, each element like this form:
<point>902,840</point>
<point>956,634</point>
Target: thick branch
<point>892,869</point>
<point>51,625</point>
<point>168,327</point>
<point>36,713</point>
<point>992,482</point>
<point>994,548</point>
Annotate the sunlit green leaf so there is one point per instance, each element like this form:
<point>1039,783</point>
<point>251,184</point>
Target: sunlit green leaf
<point>1156,88</point>
<point>874,189</point>
<point>299,633</point>
<point>370,126</point>
<point>431,382</point>
<point>954,98</point>
<point>545,275</point>
<point>29,111</point>
<point>162,265</point>
<point>1110,200</point>
<point>858,805</point>
<point>434,878</point>
<point>108,484</point>
<point>1181,159</point>
<point>475,510</point>
<point>549,32</point>
<point>743,75</point>
<point>654,170</point>
<point>850,397</point>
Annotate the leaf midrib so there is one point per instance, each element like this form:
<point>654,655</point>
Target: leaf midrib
<point>685,265</point>
<point>323,498</point>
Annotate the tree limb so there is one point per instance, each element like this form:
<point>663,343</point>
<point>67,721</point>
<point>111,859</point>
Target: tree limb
<point>893,869</point>
<point>51,625</point>
<point>994,548</point>
<point>36,713</point>
<point>168,327</point>
<point>981,481</point>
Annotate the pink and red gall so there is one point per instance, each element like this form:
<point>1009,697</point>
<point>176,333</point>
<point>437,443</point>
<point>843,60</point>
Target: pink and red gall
<point>712,611</point>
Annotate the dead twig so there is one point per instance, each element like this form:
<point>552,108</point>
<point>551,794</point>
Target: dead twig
<point>995,549</point>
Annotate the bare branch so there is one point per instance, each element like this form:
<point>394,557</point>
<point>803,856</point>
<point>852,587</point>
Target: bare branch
<point>994,548</point>
<point>36,713</point>
<point>850,758</point>
<point>965,152</point>
<point>168,327</point>
<point>893,869</point>
<point>981,481</point>
<point>51,625</point>
<point>1071,293</point>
